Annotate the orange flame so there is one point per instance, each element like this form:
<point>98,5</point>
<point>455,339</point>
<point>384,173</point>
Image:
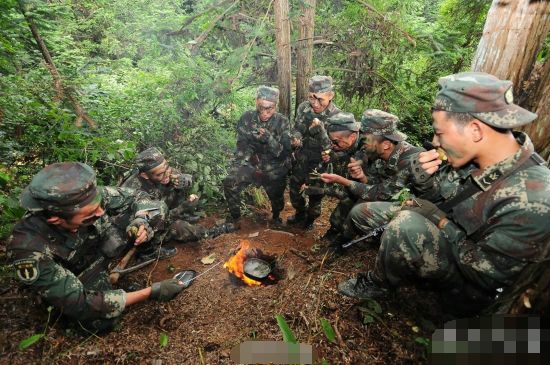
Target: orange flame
<point>235,264</point>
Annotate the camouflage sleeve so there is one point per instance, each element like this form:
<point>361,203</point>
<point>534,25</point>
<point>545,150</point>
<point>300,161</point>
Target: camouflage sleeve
<point>123,200</point>
<point>132,182</point>
<point>63,290</point>
<point>299,129</point>
<point>360,190</point>
<point>514,236</point>
<point>244,139</point>
<point>184,180</point>
<point>279,143</point>
<point>321,136</point>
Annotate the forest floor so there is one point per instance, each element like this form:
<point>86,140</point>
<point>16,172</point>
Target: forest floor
<point>216,313</point>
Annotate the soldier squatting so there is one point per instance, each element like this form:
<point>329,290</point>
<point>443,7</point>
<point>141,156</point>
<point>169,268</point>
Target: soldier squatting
<point>477,216</point>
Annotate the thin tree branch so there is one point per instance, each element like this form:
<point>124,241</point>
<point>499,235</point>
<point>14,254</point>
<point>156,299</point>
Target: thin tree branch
<point>61,90</point>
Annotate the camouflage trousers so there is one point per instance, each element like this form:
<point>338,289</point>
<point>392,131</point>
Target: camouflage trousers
<point>340,214</point>
<point>366,216</point>
<point>99,281</point>
<point>305,163</point>
<point>239,177</point>
<point>183,231</point>
<point>414,251</point>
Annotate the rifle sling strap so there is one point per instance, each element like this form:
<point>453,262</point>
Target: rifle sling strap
<point>470,188</point>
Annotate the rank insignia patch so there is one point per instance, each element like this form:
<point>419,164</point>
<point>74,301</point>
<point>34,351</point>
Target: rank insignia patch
<point>27,270</point>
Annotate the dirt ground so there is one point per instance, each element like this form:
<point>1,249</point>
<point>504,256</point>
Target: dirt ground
<point>214,314</point>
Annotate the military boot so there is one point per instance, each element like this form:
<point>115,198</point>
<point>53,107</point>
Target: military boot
<point>362,287</point>
<point>219,230</point>
<point>308,223</point>
<point>157,253</point>
<point>276,219</point>
<point>297,218</point>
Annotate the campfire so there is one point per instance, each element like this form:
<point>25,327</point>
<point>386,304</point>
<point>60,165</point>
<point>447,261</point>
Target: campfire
<point>249,259</point>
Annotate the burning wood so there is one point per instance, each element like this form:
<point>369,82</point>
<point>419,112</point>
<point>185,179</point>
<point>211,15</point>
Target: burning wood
<point>251,266</point>
<point>235,264</point>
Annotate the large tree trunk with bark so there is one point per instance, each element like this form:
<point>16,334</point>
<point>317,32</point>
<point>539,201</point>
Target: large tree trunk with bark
<point>514,33</point>
<point>60,89</point>
<point>512,38</point>
<point>304,50</point>
<point>282,38</point>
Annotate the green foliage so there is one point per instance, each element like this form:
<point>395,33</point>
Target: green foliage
<point>370,311</point>
<point>178,76</point>
<point>288,336</point>
<point>328,330</point>
<point>402,195</point>
<point>423,341</point>
<point>163,339</point>
<point>31,340</point>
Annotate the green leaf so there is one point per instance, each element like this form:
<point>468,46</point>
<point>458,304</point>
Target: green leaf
<point>423,341</point>
<point>288,336</point>
<point>163,340</point>
<point>324,362</point>
<point>329,331</point>
<point>29,341</point>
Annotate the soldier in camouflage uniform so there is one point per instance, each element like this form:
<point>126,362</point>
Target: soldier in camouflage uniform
<point>492,201</point>
<point>62,247</point>
<point>344,134</point>
<point>388,171</point>
<point>311,148</point>
<point>162,182</point>
<point>263,148</point>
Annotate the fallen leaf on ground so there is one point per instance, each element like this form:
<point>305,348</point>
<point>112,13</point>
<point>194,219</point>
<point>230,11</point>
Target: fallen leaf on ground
<point>207,260</point>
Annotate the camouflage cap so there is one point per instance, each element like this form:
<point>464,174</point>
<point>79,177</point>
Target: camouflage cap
<point>268,93</point>
<point>342,121</point>
<point>380,123</point>
<point>149,159</point>
<point>484,97</point>
<point>320,84</point>
<point>61,187</point>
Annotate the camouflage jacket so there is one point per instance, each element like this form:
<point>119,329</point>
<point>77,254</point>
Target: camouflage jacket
<point>314,140</point>
<point>58,264</point>
<point>269,152</point>
<point>339,164</point>
<point>501,228</point>
<point>387,178</point>
<point>171,195</point>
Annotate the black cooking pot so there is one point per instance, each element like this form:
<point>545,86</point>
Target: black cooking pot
<point>256,269</point>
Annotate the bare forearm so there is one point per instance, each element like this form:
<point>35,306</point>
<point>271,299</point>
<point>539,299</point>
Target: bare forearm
<point>138,296</point>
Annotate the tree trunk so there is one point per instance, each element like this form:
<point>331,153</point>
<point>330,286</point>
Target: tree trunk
<point>512,38</point>
<point>304,50</point>
<point>282,38</point>
<point>61,91</point>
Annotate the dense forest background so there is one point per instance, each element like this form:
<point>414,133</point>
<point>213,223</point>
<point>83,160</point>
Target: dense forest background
<point>125,75</point>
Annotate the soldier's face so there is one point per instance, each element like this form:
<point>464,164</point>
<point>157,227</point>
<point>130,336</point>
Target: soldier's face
<point>453,139</point>
<point>371,146</point>
<point>320,101</point>
<point>86,216</point>
<point>342,140</point>
<point>265,109</point>
<point>160,174</point>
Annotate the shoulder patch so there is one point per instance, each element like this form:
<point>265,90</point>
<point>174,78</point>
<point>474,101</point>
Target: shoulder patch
<point>27,270</point>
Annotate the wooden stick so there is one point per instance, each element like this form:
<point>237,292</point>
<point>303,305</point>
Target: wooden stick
<point>114,276</point>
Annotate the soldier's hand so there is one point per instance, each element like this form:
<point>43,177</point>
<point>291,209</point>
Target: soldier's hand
<point>192,198</point>
<point>315,126</point>
<point>333,178</point>
<point>296,142</point>
<point>355,168</point>
<point>140,230</point>
<point>325,156</point>
<point>166,290</point>
<point>425,208</point>
<point>429,161</point>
